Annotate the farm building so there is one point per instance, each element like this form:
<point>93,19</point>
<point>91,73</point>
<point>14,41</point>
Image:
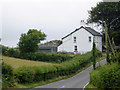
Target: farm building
<point>50,48</point>
<point>81,41</point>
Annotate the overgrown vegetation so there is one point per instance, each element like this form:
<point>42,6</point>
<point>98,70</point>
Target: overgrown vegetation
<point>107,76</point>
<point>45,57</point>
<point>43,73</point>
<point>7,76</point>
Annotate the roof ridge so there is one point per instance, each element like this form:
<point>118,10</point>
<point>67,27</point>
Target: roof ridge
<point>89,29</point>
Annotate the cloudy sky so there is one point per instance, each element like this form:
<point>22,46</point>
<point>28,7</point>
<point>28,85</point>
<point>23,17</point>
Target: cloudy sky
<point>56,18</point>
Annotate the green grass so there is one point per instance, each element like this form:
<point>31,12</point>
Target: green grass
<point>17,63</point>
<point>31,85</point>
<point>90,86</point>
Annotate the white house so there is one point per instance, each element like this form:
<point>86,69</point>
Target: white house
<point>81,41</point>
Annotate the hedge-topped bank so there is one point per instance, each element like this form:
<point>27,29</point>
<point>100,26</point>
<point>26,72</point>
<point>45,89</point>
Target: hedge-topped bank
<point>37,56</point>
<point>43,73</point>
<point>107,76</point>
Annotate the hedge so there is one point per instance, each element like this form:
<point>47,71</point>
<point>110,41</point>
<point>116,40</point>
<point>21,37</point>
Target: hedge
<point>107,76</point>
<point>45,57</point>
<point>42,73</point>
<point>7,76</point>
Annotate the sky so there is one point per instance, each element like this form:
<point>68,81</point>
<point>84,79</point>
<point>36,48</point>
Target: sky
<point>56,18</point>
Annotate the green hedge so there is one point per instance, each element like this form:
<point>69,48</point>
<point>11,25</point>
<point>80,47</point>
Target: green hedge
<point>107,76</point>
<point>7,76</point>
<point>42,73</point>
<point>45,57</point>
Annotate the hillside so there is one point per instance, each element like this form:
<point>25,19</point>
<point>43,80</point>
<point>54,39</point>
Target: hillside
<point>16,63</point>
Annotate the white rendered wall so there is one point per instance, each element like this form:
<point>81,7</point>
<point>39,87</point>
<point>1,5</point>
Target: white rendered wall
<point>98,42</point>
<point>82,42</point>
<point>67,45</point>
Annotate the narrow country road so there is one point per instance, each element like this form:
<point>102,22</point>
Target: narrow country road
<point>77,81</point>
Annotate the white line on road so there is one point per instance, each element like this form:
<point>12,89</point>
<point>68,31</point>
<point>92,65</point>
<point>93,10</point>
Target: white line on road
<point>85,85</point>
<point>62,87</point>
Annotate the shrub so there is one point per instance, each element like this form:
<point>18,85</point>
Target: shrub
<point>39,73</point>
<point>46,57</point>
<point>4,50</point>
<point>107,76</point>
<point>7,76</point>
<point>11,52</point>
<point>115,58</point>
<point>24,75</point>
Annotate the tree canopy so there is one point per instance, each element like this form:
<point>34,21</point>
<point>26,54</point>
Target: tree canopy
<point>29,42</point>
<point>109,13</point>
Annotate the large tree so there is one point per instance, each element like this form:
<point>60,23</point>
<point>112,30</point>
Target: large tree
<point>29,42</point>
<point>109,13</point>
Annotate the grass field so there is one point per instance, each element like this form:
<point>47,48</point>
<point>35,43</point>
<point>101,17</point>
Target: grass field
<point>16,63</point>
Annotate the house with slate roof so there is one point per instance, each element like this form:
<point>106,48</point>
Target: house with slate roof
<point>81,41</point>
<point>50,48</point>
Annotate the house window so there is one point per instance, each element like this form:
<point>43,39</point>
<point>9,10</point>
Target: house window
<point>89,38</point>
<point>75,48</point>
<point>74,39</point>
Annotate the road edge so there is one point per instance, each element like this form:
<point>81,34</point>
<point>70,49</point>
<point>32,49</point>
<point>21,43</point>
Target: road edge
<point>85,85</point>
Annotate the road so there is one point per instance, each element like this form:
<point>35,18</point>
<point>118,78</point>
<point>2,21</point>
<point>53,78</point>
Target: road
<point>77,81</point>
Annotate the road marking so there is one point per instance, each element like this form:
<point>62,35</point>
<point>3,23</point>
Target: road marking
<point>62,87</point>
<point>85,85</point>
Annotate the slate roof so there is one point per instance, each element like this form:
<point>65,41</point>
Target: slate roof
<point>46,46</point>
<point>90,30</point>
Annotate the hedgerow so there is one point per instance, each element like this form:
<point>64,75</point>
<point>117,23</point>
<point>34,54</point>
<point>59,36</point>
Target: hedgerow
<point>42,73</point>
<point>7,76</point>
<point>107,76</point>
<point>45,57</point>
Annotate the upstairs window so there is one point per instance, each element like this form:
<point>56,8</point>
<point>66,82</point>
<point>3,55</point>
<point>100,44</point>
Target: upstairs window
<point>74,39</point>
<point>89,38</point>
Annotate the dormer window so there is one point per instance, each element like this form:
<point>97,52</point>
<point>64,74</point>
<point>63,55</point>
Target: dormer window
<point>89,38</point>
<point>74,39</point>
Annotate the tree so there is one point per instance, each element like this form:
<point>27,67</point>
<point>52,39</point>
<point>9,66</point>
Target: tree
<point>29,42</point>
<point>94,54</point>
<point>108,13</point>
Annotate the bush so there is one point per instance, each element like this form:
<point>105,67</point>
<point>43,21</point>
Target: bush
<point>107,76</point>
<point>7,76</point>
<point>46,57</point>
<point>24,75</point>
<point>115,58</point>
<point>42,73</point>
<point>4,49</point>
<point>11,52</point>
